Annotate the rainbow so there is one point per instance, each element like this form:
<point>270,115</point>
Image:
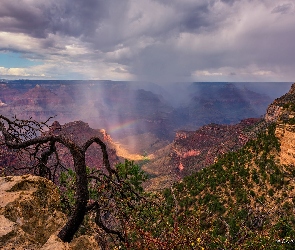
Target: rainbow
<point>117,127</point>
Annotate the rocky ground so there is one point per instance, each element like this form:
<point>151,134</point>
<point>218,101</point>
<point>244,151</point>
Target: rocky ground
<point>30,216</point>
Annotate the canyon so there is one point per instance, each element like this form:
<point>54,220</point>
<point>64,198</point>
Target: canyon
<point>128,109</point>
<point>242,170</point>
<point>171,132</point>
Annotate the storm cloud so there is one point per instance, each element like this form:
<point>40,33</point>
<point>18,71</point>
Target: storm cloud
<point>154,40</point>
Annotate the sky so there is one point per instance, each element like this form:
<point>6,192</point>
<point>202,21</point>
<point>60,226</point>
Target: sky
<point>148,40</point>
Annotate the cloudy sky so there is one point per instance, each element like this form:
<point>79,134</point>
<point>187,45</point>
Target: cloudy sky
<point>151,40</point>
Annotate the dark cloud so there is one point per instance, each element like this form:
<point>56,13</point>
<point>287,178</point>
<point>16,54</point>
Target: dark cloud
<point>19,17</point>
<point>110,31</point>
<point>283,8</point>
<point>166,40</point>
<point>197,18</point>
<point>76,18</point>
<point>66,17</point>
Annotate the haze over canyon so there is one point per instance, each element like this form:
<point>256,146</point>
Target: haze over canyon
<point>159,125</point>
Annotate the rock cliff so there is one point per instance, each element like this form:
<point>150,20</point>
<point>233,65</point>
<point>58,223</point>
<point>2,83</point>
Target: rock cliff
<point>286,134</point>
<point>193,151</point>
<point>30,216</point>
<point>285,129</point>
<point>281,107</point>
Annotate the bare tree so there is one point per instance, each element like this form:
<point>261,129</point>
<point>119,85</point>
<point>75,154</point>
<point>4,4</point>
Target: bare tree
<point>40,143</point>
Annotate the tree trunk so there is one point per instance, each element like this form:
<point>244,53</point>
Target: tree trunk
<point>82,197</point>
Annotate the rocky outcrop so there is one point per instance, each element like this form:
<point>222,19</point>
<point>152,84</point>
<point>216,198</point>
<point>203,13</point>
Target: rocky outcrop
<point>29,212</point>
<point>30,216</point>
<point>280,106</point>
<point>286,134</point>
<point>193,150</point>
<point>282,112</point>
<point>106,137</point>
<point>83,242</point>
<point>272,113</point>
<point>80,132</point>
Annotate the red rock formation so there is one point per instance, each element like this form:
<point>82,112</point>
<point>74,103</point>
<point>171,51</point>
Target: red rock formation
<point>192,151</point>
<point>77,131</point>
<point>106,137</point>
<point>80,132</point>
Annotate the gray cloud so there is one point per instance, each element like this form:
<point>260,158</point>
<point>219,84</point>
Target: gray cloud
<point>160,63</point>
<point>283,8</point>
<point>196,18</point>
<point>159,40</point>
<point>19,17</point>
<point>76,18</point>
<point>39,18</point>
